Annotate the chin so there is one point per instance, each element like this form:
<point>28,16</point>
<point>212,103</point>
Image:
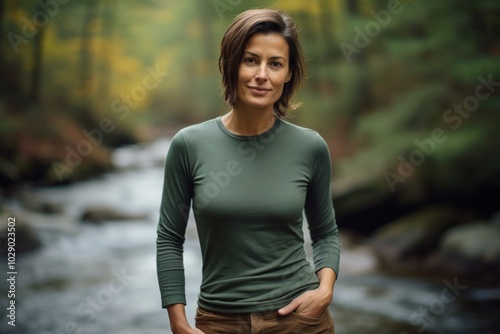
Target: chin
<point>257,104</point>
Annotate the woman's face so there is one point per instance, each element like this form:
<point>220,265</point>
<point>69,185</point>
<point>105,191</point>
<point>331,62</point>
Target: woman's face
<point>264,70</point>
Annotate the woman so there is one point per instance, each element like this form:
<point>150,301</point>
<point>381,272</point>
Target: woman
<point>249,176</point>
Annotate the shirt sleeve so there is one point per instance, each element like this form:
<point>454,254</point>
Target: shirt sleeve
<point>174,212</point>
<point>320,213</point>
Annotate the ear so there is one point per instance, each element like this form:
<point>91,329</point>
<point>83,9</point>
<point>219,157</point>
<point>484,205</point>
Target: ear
<point>288,76</point>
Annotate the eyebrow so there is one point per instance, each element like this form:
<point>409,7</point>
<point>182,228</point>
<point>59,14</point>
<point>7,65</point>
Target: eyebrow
<point>274,57</point>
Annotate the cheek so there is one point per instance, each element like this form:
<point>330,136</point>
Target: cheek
<point>244,74</point>
<point>280,80</point>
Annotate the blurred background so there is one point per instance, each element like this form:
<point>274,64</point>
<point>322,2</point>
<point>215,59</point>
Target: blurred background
<point>406,94</point>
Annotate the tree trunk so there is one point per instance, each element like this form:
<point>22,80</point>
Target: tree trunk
<point>2,46</point>
<point>352,7</point>
<point>36,74</point>
<point>86,74</point>
<point>107,45</point>
<point>328,27</point>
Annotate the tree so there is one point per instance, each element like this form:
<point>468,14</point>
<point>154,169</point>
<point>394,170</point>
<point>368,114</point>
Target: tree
<point>36,74</point>
<point>86,58</point>
<point>2,46</point>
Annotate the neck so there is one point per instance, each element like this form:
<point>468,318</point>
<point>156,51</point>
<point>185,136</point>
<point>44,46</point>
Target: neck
<point>248,122</point>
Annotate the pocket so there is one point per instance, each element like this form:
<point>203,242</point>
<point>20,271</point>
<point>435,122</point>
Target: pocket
<point>309,320</point>
<point>203,314</point>
<point>202,311</point>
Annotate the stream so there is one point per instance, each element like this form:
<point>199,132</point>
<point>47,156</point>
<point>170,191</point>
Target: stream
<point>101,278</point>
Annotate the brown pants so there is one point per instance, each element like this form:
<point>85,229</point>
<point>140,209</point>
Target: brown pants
<point>262,322</point>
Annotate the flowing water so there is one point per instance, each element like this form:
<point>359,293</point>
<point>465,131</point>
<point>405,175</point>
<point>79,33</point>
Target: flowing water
<point>101,278</point>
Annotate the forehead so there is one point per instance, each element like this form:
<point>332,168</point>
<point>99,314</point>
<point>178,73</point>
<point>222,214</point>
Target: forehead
<point>269,45</point>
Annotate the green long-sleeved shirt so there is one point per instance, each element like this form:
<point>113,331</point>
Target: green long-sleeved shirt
<point>248,195</point>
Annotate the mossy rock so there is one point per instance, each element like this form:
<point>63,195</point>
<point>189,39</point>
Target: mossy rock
<point>26,239</point>
<point>474,243</point>
<point>415,235</point>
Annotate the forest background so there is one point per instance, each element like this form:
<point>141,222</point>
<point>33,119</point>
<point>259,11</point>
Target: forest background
<point>406,93</point>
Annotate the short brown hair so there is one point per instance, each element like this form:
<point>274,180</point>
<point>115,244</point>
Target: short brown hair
<point>232,47</point>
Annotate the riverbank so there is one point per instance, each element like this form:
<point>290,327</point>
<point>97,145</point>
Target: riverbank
<point>73,271</point>
<point>80,261</point>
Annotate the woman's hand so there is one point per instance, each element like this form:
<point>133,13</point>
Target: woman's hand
<point>178,320</point>
<point>310,304</point>
<point>190,331</point>
<point>313,303</point>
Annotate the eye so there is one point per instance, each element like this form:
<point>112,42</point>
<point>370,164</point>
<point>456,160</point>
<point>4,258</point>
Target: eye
<point>249,60</point>
<point>276,64</point>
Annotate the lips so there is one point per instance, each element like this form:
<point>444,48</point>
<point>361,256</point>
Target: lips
<point>258,90</point>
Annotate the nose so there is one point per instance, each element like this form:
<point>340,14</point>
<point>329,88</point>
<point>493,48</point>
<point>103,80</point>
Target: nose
<point>261,74</point>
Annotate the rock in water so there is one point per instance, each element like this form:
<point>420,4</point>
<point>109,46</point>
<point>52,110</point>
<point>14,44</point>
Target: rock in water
<point>100,214</point>
<point>26,239</point>
<point>473,244</point>
<point>33,202</point>
<point>416,234</point>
